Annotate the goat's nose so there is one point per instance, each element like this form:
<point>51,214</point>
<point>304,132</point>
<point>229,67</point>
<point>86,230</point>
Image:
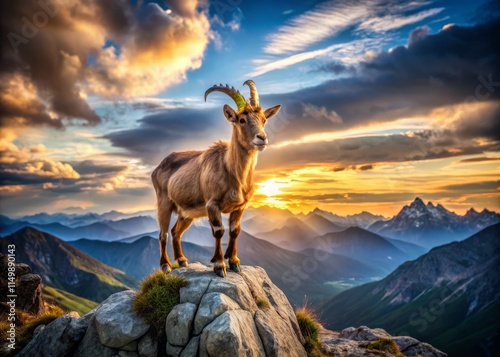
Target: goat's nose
<point>262,137</point>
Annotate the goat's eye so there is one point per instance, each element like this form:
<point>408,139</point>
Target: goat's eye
<point>242,121</point>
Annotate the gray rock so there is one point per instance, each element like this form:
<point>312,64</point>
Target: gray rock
<point>261,286</point>
<point>173,351</point>
<point>22,269</point>
<point>132,346</point>
<point>123,353</point>
<point>59,338</point>
<point>211,306</point>
<point>179,324</point>
<point>90,346</point>
<point>423,349</point>
<point>202,280</point>
<point>235,287</point>
<point>29,293</point>
<point>354,342</point>
<point>194,291</point>
<point>38,329</point>
<point>275,333</point>
<point>231,334</point>
<point>404,342</point>
<point>364,333</point>
<point>148,346</point>
<point>343,347</point>
<point>115,322</point>
<point>192,347</point>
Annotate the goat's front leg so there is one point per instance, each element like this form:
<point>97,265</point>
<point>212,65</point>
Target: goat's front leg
<point>234,231</point>
<point>215,219</point>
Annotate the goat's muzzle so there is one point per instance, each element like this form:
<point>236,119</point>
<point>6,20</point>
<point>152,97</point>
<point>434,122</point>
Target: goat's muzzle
<point>260,141</point>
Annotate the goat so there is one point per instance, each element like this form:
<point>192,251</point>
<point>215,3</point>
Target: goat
<point>218,180</point>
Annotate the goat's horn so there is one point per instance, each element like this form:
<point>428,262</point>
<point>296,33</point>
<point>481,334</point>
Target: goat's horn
<point>254,95</point>
<point>235,95</point>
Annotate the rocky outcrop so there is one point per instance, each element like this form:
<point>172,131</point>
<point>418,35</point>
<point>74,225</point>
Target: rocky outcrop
<point>28,287</point>
<point>241,315</point>
<point>355,342</point>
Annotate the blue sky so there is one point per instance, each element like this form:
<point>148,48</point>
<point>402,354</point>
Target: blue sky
<point>375,94</point>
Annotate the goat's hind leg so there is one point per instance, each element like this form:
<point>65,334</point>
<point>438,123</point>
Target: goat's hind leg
<point>178,229</point>
<point>165,208</point>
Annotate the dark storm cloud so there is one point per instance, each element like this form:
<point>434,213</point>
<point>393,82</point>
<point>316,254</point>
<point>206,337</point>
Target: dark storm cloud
<point>456,65</point>
<point>476,187</point>
<point>58,51</point>
<point>336,68</point>
<point>91,168</point>
<point>419,146</point>
<point>172,130</point>
<point>24,174</point>
<point>365,167</point>
<point>479,159</point>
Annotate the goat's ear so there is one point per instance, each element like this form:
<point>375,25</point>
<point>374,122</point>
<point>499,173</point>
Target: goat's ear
<point>270,112</point>
<point>230,114</point>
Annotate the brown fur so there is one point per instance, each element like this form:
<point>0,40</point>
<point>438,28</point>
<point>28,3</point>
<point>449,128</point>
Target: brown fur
<point>208,183</point>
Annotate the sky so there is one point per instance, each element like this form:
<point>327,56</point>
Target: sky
<point>382,101</point>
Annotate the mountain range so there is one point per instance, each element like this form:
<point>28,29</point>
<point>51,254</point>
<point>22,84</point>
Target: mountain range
<point>449,297</point>
<point>429,225</point>
<point>64,267</point>
<point>288,269</point>
<point>426,272</point>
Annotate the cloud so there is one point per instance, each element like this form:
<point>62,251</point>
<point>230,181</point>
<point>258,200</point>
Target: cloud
<point>456,65</point>
<point>59,52</point>
<point>391,22</point>
<point>313,26</point>
<point>35,172</point>
<point>177,129</point>
<point>479,159</point>
<point>333,17</point>
<point>368,151</point>
<point>476,187</point>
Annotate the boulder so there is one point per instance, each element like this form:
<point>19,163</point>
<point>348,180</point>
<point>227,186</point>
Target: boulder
<point>91,346</point>
<point>231,334</point>
<point>29,293</point>
<point>116,323</point>
<point>192,347</point>
<point>28,287</point>
<point>354,342</point>
<point>211,306</point>
<point>59,338</point>
<point>148,346</point>
<point>179,324</point>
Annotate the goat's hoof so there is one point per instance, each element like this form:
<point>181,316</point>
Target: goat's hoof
<point>220,269</point>
<point>236,268</point>
<point>183,263</point>
<point>166,268</point>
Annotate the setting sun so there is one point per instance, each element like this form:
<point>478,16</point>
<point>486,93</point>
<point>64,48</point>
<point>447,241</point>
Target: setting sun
<point>271,187</point>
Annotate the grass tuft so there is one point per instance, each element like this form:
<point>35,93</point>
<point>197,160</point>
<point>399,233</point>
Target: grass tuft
<point>262,303</point>
<point>385,345</point>
<point>158,295</point>
<point>309,326</point>
<point>27,325</point>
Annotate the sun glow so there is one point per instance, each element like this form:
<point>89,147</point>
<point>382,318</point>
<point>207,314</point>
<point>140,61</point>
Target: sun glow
<point>271,187</point>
